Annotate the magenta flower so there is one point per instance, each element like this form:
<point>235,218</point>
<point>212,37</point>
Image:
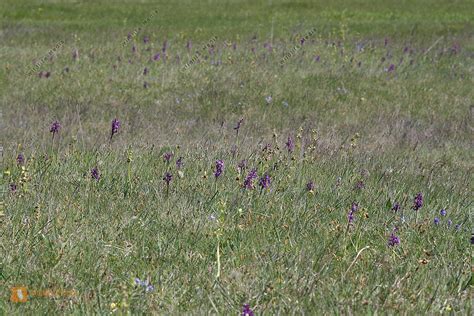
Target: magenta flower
<point>247,311</point>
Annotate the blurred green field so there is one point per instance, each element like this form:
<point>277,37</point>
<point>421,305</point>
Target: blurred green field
<point>378,103</point>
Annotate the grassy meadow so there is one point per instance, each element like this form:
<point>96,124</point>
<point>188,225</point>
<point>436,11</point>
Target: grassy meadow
<point>236,157</point>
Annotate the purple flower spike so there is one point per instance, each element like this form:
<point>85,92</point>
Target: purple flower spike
<point>167,157</point>
<point>237,127</point>
<point>242,165</point>
<point>247,311</point>
<point>360,185</point>
<point>396,207</point>
<point>179,163</point>
<point>20,159</point>
<point>115,127</point>
<point>167,178</point>
<point>310,186</point>
<point>418,201</point>
<point>219,168</point>
<point>146,39</point>
<point>55,127</point>
<point>350,217</point>
<point>145,71</point>
<point>157,57</point>
<point>13,187</point>
<point>354,207</point>
<point>265,181</point>
<point>391,68</point>
<point>393,240</point>
<point>290,145</point>
<point>248,183</point>
<point>75,54</point>
<point>95,174</point>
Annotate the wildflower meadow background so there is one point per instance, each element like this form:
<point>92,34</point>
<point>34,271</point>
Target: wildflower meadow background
<point>237,156</point>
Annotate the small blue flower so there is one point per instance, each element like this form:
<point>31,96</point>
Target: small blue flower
<point>145,284</point>
<point>443,212</point>
<point>138,281</point>
<point>436,221</point>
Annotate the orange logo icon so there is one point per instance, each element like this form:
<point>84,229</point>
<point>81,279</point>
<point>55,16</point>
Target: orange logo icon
<point>19,294</point>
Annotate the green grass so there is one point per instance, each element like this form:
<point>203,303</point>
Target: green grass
<point>208,245</point>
